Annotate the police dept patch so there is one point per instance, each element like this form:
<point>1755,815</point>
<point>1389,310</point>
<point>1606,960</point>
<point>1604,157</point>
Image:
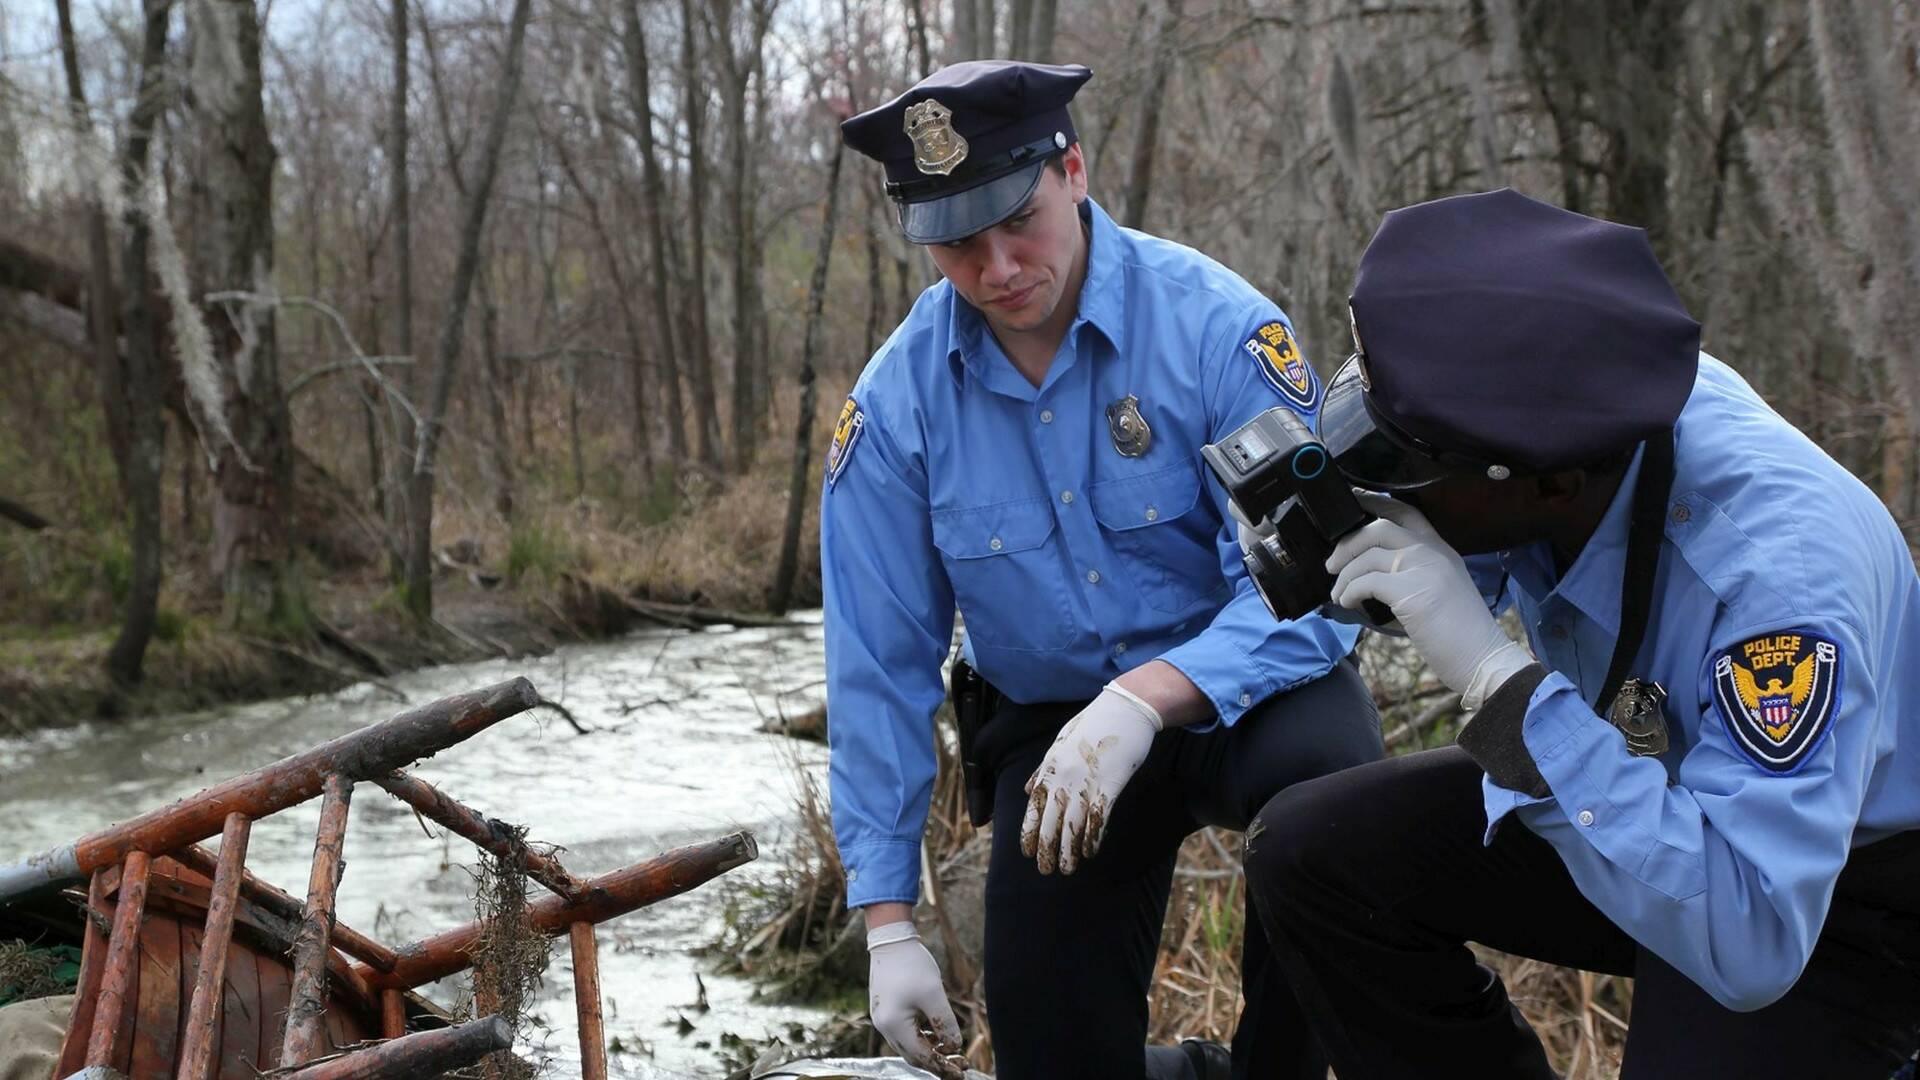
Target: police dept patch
<point>1778,693</point>
<point>846,434</point>
<point>1283,367</point>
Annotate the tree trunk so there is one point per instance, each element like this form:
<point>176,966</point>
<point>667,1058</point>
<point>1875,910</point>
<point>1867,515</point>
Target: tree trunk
<point>699,352</point>
<point>252,470</point>
<point>787,568</point>
<point>966,32</point>
<point>419,584</point>
<point>984,25</point>
<point>917,34</point>
<point>1046,13</point>
<point>1019,28</point>
<point>653,195</point>
<point>495,385</point>
<point>876,291</point>
<point>1147,138</point>
<point>390,496</point>
<point>738,71</point>
<point>141,374</point>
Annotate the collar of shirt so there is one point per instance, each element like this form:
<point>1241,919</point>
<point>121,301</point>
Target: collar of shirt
<point>1102,291</point>
<point>1592,584</point>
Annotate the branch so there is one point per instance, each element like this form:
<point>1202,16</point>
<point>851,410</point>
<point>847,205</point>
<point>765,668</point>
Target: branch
<point>22,516</point>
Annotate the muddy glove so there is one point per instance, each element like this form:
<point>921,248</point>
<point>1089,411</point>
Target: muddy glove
<point>1400,561</point>
<point>1071,794</point>
<point>908,1002</point>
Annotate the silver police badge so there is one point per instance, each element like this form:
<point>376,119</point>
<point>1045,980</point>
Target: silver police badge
<point>937,148</point>
<point>1129,429</point>
<point>1638,711</point>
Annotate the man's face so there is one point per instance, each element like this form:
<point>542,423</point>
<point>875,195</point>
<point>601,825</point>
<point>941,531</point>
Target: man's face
<point>1016,272</point>
<point>1476,515</point>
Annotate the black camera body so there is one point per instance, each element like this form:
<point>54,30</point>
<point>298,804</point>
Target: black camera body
<point>1277,472</point>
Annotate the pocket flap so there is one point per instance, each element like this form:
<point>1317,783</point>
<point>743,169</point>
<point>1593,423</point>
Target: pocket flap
<point>1000,529</point>
<point>1135,502</point>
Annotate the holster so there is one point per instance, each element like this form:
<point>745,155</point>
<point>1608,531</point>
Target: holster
<point>974,702</point>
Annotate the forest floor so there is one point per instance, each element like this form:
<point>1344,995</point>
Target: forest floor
<point>577,569</point>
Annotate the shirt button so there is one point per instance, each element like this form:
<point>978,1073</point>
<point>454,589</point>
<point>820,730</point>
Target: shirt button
<point>994,543</point>
<point>1093,577</point>
<point>1246,700</point>
<point>852,874</point>
<point>1120,648</point>
<point>1681,513</point>
<point>1067,497</point>
<point>1153,514</point>
<point>1586,817</point>
<point>1046,416</point>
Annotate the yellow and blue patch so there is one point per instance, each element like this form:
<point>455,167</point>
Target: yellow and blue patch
<point>846,435</point>
<point>1283,366</point>
<point>1778,693</point>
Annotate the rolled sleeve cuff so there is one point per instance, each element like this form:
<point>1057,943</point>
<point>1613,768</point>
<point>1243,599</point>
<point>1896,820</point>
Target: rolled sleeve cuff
<point>882,872</point>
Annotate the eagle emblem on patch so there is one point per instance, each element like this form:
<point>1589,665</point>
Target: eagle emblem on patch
<point>1778,693</point>
<point>1283,367</point>
<point>846,435</point>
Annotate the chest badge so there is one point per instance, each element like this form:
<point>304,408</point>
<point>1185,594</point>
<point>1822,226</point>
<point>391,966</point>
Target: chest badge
<point>1639,712</point>
<point>1131,435</point>
<point>937,148</point>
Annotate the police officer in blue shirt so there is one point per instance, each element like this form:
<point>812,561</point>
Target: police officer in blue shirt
<point>1025,447</point>
<point>1707,773</point>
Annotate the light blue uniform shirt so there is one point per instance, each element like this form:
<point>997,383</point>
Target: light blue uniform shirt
<point>1720,855</point>
<point>954,481</point>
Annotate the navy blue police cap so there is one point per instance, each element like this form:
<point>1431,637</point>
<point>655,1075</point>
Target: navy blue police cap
<point>965,147</point>
<point>1499,334</point>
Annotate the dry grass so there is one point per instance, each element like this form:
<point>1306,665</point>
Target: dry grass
<point>1196,991</point>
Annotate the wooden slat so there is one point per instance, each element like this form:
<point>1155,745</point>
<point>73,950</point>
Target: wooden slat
<point>306,1030</point>
<point>489,834</point>
<point>157,996</point>
<point>123,948</point>
<point>203,1017</point>
<point>586,998</point>
<point>93,966</point>
<point>393,1014</point>
<point>264,895</point>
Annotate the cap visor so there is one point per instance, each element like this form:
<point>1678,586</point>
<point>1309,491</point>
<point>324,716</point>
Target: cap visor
<point>1364,454</point>
<point>956,216</point>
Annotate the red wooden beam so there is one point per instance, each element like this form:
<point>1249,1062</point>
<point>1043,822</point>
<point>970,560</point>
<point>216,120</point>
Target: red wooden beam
<point>489,833</point>
<point>586,999</point>
<point>424,1053</point>
<point>359,755</point>
<point>269,898</point>
<point>606,897</point>
<point>306,1010</point>
<point>203,1016</point>
<point>123,956</point>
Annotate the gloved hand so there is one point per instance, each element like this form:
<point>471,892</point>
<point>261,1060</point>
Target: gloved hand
<point>1071,794</point>
<point>1400,561</point>
<point>908,1002</point>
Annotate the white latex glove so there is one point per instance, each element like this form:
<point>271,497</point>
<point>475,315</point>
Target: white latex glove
<point>908,1002</point>
<point>1400,561</point>
<point>1071,794</point>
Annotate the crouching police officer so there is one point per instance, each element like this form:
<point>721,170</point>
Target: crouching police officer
<point>1706,775</point>
<point>1026,447</point>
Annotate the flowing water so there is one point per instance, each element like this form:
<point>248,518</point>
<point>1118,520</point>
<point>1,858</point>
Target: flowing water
<point>673,756</point>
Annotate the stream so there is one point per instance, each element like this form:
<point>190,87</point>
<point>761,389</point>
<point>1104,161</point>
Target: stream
<point>674,755</point>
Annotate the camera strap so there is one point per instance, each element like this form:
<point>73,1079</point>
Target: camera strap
<point>1644,537</point>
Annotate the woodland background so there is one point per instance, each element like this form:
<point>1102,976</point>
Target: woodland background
<point>342,334</point>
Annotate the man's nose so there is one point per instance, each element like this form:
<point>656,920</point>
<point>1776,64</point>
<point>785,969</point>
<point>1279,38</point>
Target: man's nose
<point>998,267</point>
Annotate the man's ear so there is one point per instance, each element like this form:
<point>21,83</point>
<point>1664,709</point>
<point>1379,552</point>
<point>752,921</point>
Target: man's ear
<point>1075,164</point>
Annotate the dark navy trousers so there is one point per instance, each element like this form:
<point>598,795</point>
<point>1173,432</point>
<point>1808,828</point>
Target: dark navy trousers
<point>1069,958</point>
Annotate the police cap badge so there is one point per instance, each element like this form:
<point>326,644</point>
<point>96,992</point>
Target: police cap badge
<point>1778,693</point>
<point>937,148</point>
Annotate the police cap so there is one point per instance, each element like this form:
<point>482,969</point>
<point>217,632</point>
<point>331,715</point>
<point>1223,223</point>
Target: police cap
<point>965,147</point>
<point>1496,333</point>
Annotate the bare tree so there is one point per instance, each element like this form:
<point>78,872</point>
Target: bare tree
<point>639,87</point>
<point>699,351</point>
<point>738,69</point>
<point>419,583</point>
<point>797,486</point>
<point>140,376</point>
<point>1146,140</point>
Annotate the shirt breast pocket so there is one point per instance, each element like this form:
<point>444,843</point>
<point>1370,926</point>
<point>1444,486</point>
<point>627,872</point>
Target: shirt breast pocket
<point>1005,574</point>
<point>1163,537</point>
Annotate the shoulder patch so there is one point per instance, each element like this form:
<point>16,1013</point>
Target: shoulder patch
<point>846,435</point>
<point>1778,693</point>
<point>1283,367</point>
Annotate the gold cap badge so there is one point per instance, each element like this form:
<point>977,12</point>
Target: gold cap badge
<point>937,148</point>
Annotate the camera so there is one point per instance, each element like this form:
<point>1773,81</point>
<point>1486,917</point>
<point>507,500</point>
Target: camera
<point>1276,472</point>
